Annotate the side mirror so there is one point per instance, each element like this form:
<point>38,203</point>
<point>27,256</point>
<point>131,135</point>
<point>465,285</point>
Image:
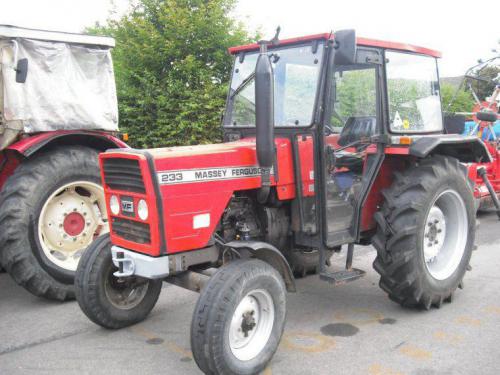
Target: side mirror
<point>345,47</point>
<point>21,70</point>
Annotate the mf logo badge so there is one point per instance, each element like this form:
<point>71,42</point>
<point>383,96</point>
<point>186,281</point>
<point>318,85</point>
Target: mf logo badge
<point>127,206</point>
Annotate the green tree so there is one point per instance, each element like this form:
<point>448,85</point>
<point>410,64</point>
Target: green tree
<point>172,68</point>
<point>484,88</point>
<point>463,102</point>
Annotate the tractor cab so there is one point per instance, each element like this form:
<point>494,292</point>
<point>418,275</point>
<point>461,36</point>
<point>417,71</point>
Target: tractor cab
<point>53,81</point>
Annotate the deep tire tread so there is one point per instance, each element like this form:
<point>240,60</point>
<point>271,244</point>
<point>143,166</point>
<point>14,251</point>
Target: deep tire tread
<point>16,198</point>
<point>397,228</point>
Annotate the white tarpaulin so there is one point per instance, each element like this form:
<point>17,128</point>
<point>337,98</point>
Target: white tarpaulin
<point>68,86</point>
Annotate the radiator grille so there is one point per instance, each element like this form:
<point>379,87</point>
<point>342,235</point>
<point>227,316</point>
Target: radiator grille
<point>131,230</point>
<point>123,174</point>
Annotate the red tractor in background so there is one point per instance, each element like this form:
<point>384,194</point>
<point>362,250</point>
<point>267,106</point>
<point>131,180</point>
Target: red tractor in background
<point>58,111</point>
<point>330,141</point>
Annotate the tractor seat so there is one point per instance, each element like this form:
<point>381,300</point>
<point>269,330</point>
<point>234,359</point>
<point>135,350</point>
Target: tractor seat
<point>355,129</point>
<point>454,124</point>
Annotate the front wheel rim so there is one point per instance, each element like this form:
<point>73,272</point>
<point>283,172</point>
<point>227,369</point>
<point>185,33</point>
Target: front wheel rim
<point>445,235</point>
<point>124,293</point>
<point>70,219</point>
<point>251,324</point>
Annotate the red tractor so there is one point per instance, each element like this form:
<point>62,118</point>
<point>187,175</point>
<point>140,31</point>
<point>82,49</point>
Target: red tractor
<point>329,141</point>
<point>58,111</point>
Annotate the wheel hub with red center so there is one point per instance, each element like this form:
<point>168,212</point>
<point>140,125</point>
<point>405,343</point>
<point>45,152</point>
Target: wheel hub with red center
<point>70,220</point>
<point>74,224</point>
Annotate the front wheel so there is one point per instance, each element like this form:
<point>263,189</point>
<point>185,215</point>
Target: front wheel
<point>107,300</point>
<point>239,319</point>
<point>426,231</point>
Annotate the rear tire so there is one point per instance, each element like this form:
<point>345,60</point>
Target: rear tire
<point>35,184</point>
<point>239,319</point>
<point>109,301</point>
<point>425,234</point>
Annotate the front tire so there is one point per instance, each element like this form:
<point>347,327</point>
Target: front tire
<point>425,234</point>
<point>51,209</point>
<point>109,301</point>
<point>239,319</point>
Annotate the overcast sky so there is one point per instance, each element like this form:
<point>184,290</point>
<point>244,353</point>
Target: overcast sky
<point>461,32</point>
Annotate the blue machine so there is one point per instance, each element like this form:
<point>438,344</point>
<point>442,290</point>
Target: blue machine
<point>487,136</point>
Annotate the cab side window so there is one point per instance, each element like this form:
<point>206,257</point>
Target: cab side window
<point>413,91</point>
<point>355,94</point>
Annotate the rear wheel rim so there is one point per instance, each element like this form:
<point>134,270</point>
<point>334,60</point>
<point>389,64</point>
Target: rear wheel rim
<point>70,219</point>
<point>251,325</point>
<point>445,235</point>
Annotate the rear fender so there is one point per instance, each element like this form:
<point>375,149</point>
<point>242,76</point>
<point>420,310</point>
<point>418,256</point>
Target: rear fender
<point>269,254</point>
<point>467,149</point>
<point>12,156</point>
<point>100,141</point>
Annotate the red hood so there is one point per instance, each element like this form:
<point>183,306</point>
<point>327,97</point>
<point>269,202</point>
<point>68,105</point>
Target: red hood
<point>198,181</point>
<point>237,153</point>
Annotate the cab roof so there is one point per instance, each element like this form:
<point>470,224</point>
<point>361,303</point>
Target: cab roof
<point>13,32</point>
<point>360,41</point>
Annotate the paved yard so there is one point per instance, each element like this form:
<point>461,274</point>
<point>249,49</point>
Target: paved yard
<point>353,329</point>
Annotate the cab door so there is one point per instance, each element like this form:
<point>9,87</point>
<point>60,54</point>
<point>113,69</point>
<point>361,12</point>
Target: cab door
<point>351,156</point>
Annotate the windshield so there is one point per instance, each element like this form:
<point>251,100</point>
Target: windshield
<point>296,76</point>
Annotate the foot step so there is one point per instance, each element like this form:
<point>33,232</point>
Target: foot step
<point>342,277</point>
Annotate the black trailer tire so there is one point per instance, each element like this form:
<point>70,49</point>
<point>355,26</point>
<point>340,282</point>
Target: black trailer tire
<point>24,196</point>
<point>422,261</point>
<point>100,294</point>
<point>215,347</point>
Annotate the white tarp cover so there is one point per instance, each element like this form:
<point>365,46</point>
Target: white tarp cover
<point>68,87</point>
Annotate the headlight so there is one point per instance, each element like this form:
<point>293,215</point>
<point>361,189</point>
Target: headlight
<point>114,205</point>
<point>142,210</point>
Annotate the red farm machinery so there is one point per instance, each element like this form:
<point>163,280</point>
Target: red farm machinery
<point>329,141</point>
<point>483,122</point>
<point>58,111</point>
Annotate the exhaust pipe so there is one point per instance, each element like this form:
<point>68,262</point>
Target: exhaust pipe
<point>264,116</point>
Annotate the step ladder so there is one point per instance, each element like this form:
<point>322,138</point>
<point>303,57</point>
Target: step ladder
<point>344,276</point>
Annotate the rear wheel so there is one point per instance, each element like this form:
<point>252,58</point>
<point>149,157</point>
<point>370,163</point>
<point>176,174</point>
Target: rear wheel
<point>107,300</point>
<point>51,209</point>
<point>239,319</point>
<point>425,233</point>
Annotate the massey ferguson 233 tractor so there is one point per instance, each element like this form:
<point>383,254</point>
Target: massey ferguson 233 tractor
<point>58,111</point>
<point>329,141</point>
